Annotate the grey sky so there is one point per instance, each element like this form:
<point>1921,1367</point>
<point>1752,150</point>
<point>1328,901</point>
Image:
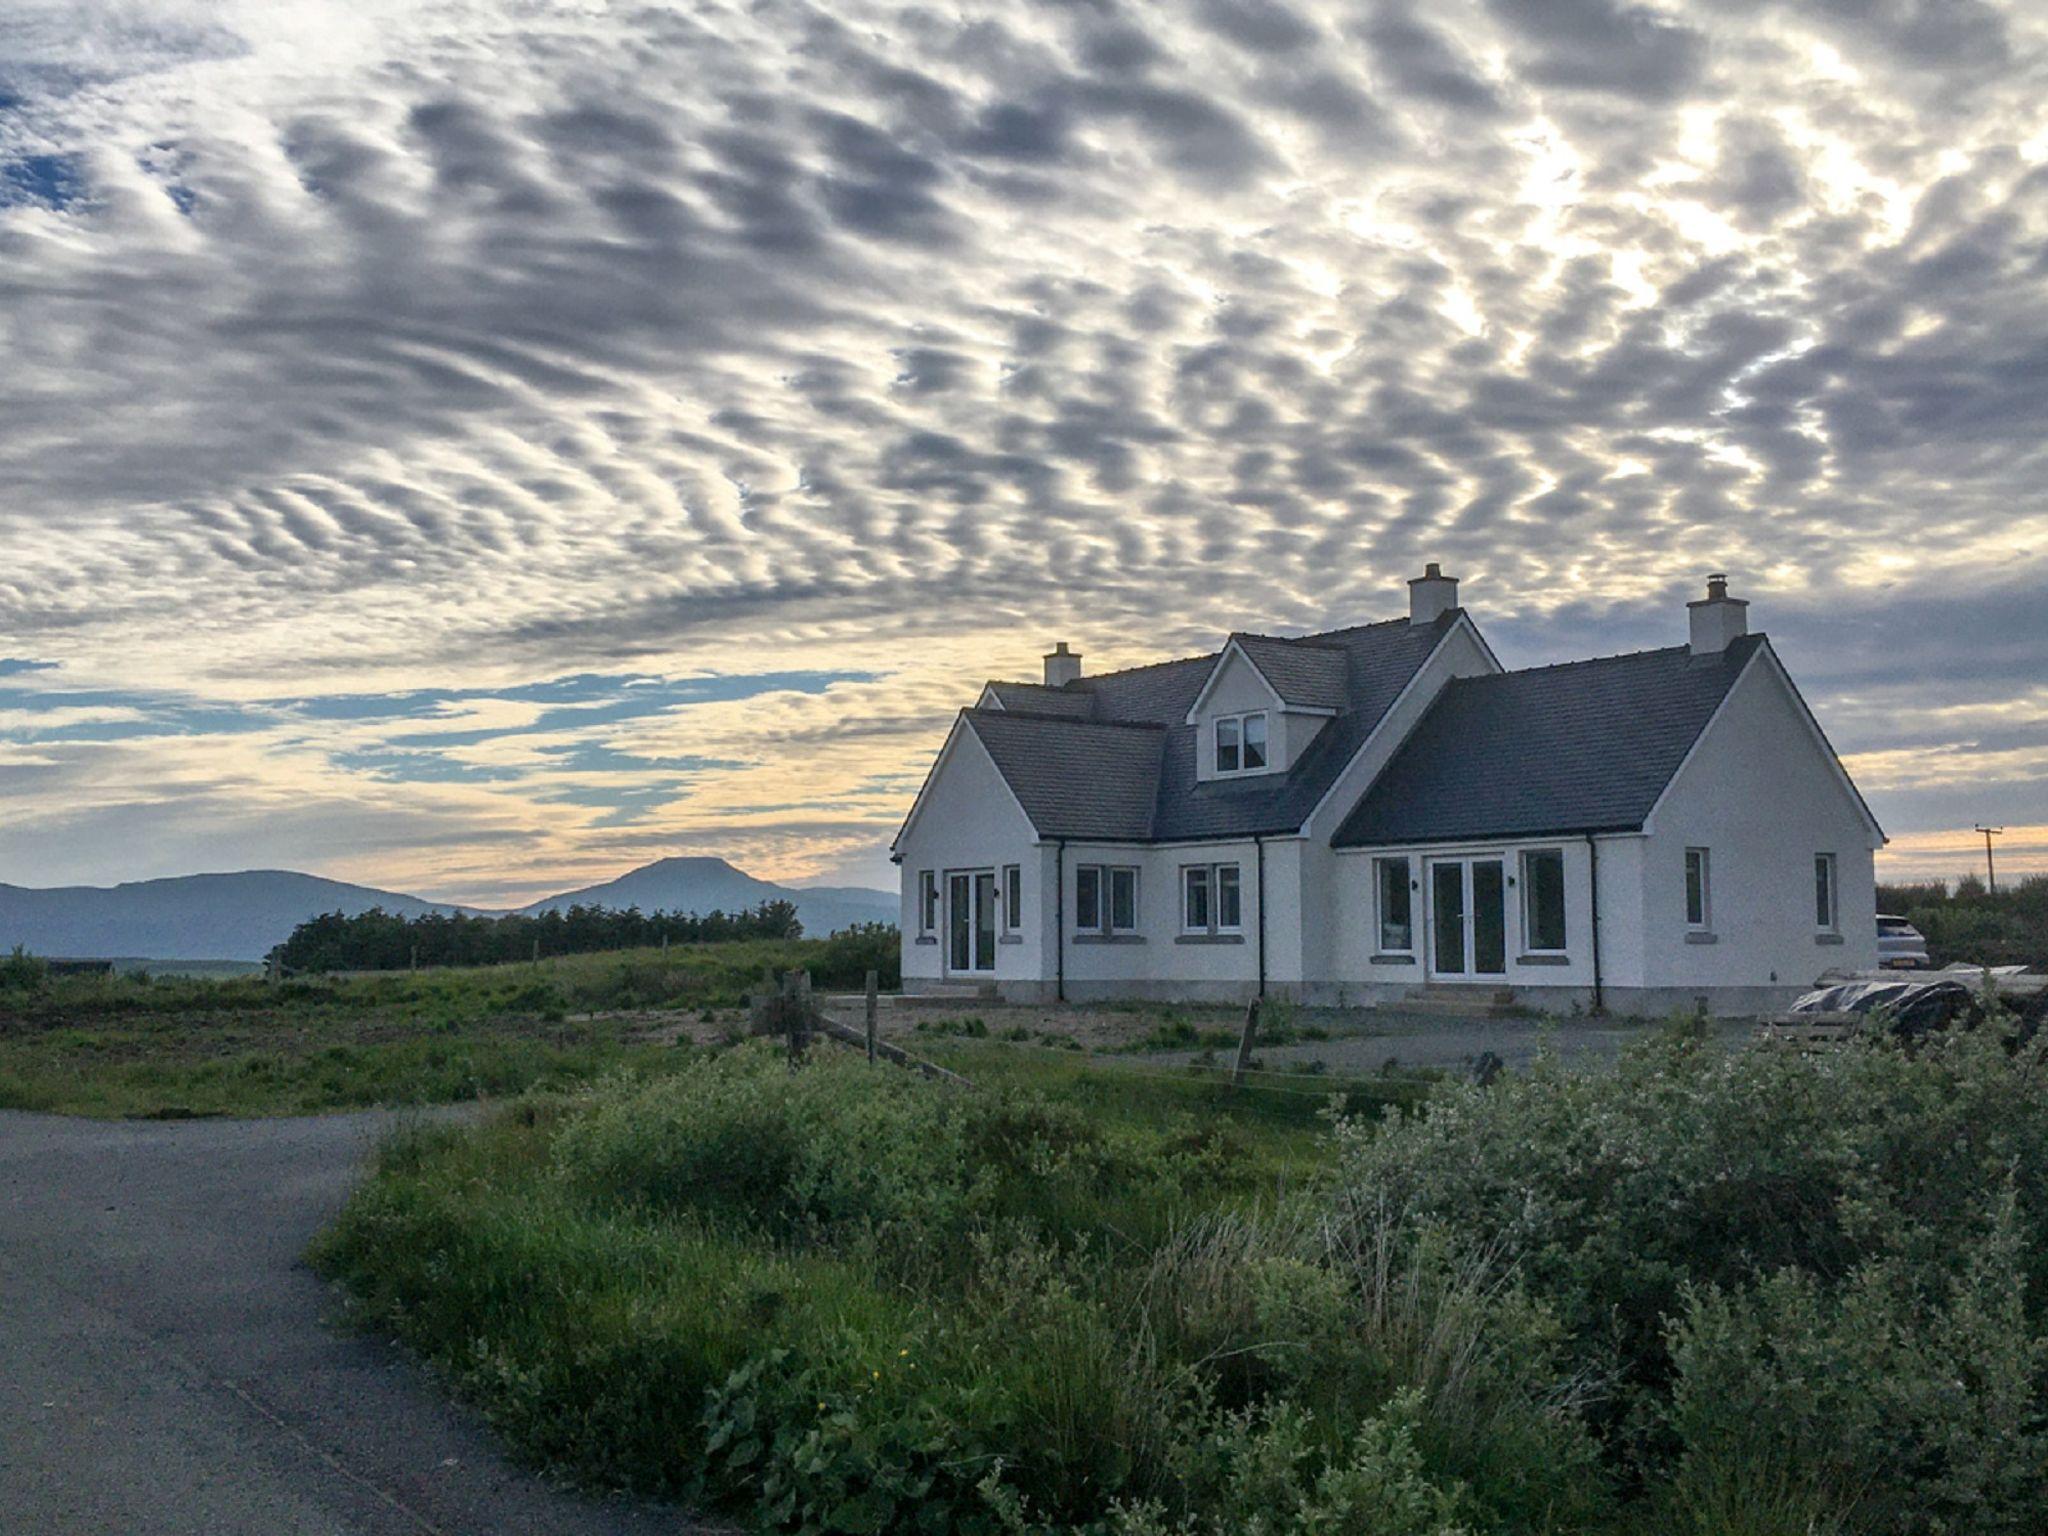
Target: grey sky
<point>406,407</point>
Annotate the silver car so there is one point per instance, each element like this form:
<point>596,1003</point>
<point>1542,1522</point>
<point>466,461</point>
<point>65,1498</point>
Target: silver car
<point>1900,946</point>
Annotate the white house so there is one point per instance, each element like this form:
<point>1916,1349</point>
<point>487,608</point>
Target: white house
<point>1354,816</point>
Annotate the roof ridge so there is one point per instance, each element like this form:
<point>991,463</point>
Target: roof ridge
<point>1301,642</point>
<point>1034,715</point>
<point>1149,666</point>
<point>1594,661</point>
<point>1352,629</point>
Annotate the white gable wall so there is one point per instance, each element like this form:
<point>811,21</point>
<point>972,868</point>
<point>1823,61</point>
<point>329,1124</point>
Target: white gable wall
<point>968,819</point>
<point>1762,795</point>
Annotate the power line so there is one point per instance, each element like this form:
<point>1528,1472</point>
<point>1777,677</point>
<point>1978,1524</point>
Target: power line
<point>1990,869</point>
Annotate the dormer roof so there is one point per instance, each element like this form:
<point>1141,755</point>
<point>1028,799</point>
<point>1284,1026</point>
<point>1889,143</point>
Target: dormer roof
<point>1114,753</point>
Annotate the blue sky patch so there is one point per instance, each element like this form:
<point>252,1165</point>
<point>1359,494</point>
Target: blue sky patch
<point>54,181</point>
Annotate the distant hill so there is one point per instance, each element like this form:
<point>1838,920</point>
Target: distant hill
<point>708,884</point>
<point>241,916</point>
<point>187,917</point>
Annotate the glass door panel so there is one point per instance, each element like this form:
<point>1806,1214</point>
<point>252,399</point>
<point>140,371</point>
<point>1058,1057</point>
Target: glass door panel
<point>1489,918</point>
<point>959,923</point>
<point>1447,918</point>
<point>985,921</point>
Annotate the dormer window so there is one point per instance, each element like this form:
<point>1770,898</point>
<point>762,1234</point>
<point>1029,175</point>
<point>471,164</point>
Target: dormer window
<point>1241,742</point>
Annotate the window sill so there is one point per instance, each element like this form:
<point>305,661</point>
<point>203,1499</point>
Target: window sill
<point>1210,938</point>
<point>1109,938</point>
<point>1011,938</point>
<point>1697,936</point>
<point>927,938</point>
<point>1392,959</point>
<point>1551,958</point>
<point>1828,938</point>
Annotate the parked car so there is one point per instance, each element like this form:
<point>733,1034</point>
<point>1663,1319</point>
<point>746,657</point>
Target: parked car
<point>1900,946</point>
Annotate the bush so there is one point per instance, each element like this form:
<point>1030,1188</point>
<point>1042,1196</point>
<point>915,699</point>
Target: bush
<point>1790,1270</point>
<point>22,971</point>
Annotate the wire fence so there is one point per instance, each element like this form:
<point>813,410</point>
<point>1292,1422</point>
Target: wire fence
<point>1300,1084</point>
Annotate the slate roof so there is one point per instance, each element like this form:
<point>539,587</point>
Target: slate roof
<point>1076,778</point>
<point>1587,746</point>
<point>1125,770</point>
<point>1304,673</point>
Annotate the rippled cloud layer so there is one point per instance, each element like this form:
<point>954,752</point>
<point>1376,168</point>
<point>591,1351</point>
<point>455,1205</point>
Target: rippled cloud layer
<point>472,446</point>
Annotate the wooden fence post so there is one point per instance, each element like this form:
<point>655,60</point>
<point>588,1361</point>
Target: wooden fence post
<point>1245,1043</point>
<point>873,1004</point>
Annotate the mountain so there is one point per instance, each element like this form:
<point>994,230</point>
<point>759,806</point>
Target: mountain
<point>707,885</point>
<point>240,916</point>
<point>187,917</point>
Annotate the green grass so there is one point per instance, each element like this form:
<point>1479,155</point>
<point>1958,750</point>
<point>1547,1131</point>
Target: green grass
<point>848,1299</point>
<point>173,1046</point>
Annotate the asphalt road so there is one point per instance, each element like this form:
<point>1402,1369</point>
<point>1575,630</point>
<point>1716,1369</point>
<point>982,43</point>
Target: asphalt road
<point>167,1364</point>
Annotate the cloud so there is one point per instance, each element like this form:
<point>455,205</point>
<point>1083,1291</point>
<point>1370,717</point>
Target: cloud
<point>409,405</point>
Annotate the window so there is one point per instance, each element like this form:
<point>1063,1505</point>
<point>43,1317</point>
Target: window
<point>927,902</point>
<point>1397,930</point>
<point>1824,905</point>
<point>1013,898</point>
<point>1229,899</point>
<point>1241,743</point>
<point>1696,892</point>
<point>1123,901</point>
<point>1105,899</point>
<point>1212,898</point>
<point>1543,899</point>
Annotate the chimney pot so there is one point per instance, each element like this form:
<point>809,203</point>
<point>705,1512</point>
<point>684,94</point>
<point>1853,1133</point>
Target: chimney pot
<point>1431,595</point>
<point>1718,620</point>
<point>1062,666</point>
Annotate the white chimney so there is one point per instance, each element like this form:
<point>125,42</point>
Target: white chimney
<point>1717,618</point>
<point>1062,666</point>
<point>1431,595</point>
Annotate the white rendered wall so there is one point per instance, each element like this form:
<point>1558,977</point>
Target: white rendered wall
<point>969,820</point>
<point>1361,963</point>
<point>1760,794</point>
<point>1160,956</point>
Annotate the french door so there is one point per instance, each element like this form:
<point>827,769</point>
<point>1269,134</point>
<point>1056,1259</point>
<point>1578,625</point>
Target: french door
<point>1468,918</point>
<point>971,920</point>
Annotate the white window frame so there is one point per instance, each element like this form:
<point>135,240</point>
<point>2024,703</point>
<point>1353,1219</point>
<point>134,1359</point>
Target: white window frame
<point>1210,879</point>
<point>1240,727</point>
<point>1010,896</point>
<point>1193,878</point>
<point>1528,903</point>
<point>1110,925</point>
<point>1829,863</point>
<point>1705,921</point>
<point>1101,899</point>
<point>1106,877</point>
<point>927,903</point>
<point>1380,865</point>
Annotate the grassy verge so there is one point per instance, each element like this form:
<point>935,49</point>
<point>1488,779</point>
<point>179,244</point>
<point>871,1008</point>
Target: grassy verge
<point>1706,1293</point>
<point>129,1045</point>
<point>849,1300</point>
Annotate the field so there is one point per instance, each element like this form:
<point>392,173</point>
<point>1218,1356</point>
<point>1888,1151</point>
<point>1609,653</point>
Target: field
<point>1706,1292</point>
<point>171,1046</point>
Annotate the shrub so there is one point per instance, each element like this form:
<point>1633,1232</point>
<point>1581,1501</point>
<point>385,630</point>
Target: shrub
<point>1720,1231</point>
<point>22,971</point>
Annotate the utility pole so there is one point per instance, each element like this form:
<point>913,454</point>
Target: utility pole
<point>1990,869</point>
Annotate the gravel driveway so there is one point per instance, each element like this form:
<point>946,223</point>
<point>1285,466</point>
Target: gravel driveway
<point>166,1364</point>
